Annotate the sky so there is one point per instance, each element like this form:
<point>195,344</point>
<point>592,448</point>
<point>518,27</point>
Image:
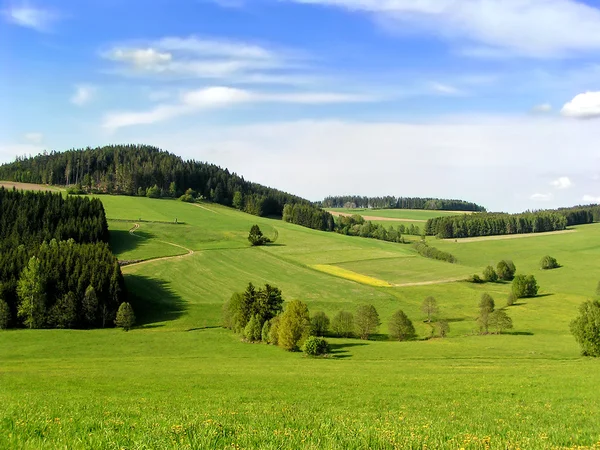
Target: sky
<point>491,101</point>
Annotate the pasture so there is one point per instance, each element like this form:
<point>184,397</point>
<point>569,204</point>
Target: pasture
<point>178,380</point>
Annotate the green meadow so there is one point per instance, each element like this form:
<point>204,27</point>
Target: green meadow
<point>405,214</point>
<point>178,380</point>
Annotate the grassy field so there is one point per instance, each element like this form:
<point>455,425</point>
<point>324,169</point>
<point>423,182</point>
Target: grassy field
<point>180,381</point>
<point>416,215</point>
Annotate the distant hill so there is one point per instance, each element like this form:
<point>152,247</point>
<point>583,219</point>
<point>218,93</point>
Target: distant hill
<point>391,202</point>
<point>135,169</point>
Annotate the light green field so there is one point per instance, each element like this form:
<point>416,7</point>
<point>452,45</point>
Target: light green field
<point>180,381</point>
<point>407,214</point>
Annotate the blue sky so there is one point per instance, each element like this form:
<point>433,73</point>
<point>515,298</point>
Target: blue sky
<point>491,101</point>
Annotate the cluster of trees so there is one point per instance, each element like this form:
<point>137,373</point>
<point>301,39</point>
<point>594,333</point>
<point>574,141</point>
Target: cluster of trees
<point>391,202</point>
<point>504,271</point>
<point>492,318</point>
<point>431,252</point>
<point>146,171</point>
<point>308,216</point>
<point>579,215</point>
<point>356,225</point>
<point>490,224</point>
<point>56,269</point>
<point>524,286</point>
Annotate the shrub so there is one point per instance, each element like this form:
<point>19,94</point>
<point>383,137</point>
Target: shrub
<point>153,192</point>
<point>475,279</point>
<point>75,190</point>
<point>490,275</point>
<point>314,346</point>
<point>511,299</point>
<point>506,270</point>
<point>319,324</point>
<point>253,329</point>
<point>367,321</point>
<point>294,326</point>
<point>343,324</point>
<point>444,328</point>
<point>586,328</point>
<point>125,316</point>
<point>524,286</point>
<point>548,262</point>
<point>256,236</point>
<point>400,327</point>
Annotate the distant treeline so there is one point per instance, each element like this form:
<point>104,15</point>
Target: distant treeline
<point>308,216</point>
<point>357,226</point>
<point>490,224</point>
<point>134,169</point>
<point>56,269</point>
<point>390,202</point>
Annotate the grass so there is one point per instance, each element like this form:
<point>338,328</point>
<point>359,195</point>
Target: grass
<point>180,381</point>
<point>406,214</point>
<point>352,276</point>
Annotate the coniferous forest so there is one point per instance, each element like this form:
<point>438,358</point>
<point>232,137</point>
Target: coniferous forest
<point>144,170</point>
<point>391,202</point>
<point>56,268</point>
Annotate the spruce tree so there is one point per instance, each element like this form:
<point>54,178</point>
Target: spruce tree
<point>125,316</point>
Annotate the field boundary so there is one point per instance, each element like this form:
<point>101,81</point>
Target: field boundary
<point>374,218</point>
<point>500,237</point>
<point>350,275</point>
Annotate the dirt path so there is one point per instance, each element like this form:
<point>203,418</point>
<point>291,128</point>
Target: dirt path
<point>508,236</point>
<point>427,283</point>
<point>189,251</point>
<point>384,219</point>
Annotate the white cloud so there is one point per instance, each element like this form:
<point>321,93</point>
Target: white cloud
<point>218,97</point>
<point>9,151</point>
<point>591,199</point>
<point>445,89</point>
<point>83,94</point>
<point>28,16</point>
<point>541,197</point>
<point>583,106</point>
<point>34,138</point>
<point>562,183</point>
<point>143,58</point>
<point>491,27</point>
<point>542,108</point>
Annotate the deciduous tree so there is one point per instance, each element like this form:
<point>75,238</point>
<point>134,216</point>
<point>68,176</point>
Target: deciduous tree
<point>343,324</point>
<point>294,326</point>
<point>30,289</point>
<point>429,308</point>
<point>319,324</point>
<point>500,321</point>
<point>400,327</point>
<point>367,321</point>
<point>586,328</point>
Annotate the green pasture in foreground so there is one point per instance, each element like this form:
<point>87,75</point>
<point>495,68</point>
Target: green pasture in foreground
<point>180,381</point>
<point>408,214</point>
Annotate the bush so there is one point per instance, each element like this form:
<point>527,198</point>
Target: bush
<point>343,324</point>
<point>432,252</point>
<point>319,324</point>
<point>314,346</point>
<point>400,327</point>
<point>490,275</point>
<point>586,328</point>
<point>125,316</point>
<point>367,321</point>
<point>444,328</point>
<point>548,262</point>
<point>511,299</point>
<point>524,286</point>
<point>506,270</point>
<point>475,279</point>
<point>256,236</point>
<point>75,190</point>
<point>253,329</point>
<point>187,198</point>
<point>153,192</point>
<point>294,326</point>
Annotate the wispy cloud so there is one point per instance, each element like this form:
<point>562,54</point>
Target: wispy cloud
<point>542,108</point>
<point>537,197</point>
<point>26,15</point>
<point>34,138</point>
<point>445,89</point>
<point>591,199</point>
<point>583,106</point>
<point>562,183</point>
<point>218,97</point>
<point>525,28</point>
<point>84,93</point>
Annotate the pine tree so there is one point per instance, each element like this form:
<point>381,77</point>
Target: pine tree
<point>89,305</point>
<point>125,316</point>
<point>30,289</point>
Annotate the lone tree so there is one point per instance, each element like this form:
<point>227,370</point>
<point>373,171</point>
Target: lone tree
<point>548,262</point>
<point>400,327</point>
<point>294,326</point>
<point>444,328</point>
<point>586,328</point>
<point>524,286</point>
<point>506,270</point>
<point>30,289</point>
<point>486,308</point>
<point>500,321</point>
<point>367,321</point>
<point>256,236</point>
<point>490,275</point>
<point>343,324</point>
<point>125,316</point>
<point>4,315</point>
<point>319,324</point>
<point>429,308</point>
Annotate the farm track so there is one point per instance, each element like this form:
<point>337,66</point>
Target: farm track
<point>204,207</point>
<point>382,219</point>
<point>189,251</point>
<point>508,236</point>
<point>428,283</point>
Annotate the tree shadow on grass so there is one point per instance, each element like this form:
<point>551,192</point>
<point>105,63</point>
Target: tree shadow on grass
<point>339,351</point>
<point>518,333</point>
<point>122,241</point>
<point>456,319</point>
<point>543,295</point>
<point>153,300</point>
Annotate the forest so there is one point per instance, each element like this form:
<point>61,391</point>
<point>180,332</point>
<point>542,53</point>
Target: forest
<point>308,216</point>
<point>56,268</point>
<point>140,170</point>
<point>490,224</point>
<point>390,202</point>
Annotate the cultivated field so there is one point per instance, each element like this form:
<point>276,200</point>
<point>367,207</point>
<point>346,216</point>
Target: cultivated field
<point>180,381</point>
<point>29,186</point>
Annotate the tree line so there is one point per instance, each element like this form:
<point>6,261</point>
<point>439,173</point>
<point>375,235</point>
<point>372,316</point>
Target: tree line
<point>308,216</point>
<point>56,268</point>
<point>146,171</point>
<point>490,224</point>
<point>391,202</point>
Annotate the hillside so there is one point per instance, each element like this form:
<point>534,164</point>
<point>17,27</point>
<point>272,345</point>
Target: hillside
<point>180,380</point>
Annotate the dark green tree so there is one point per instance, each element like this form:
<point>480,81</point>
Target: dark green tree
<point>315,346</point>
<point>524,286</point>
<point>64,312</point>
<point>548,262</point>
<point>586,328</point>
<point>400,327</point>
<point>319,324</point>
<point>367,321</point>
<point>506,270</point>
<point>490,275</point>
<point>256,236</point>
<point>5,315</point>
<point>89,305</point>
<point>125,317</point>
